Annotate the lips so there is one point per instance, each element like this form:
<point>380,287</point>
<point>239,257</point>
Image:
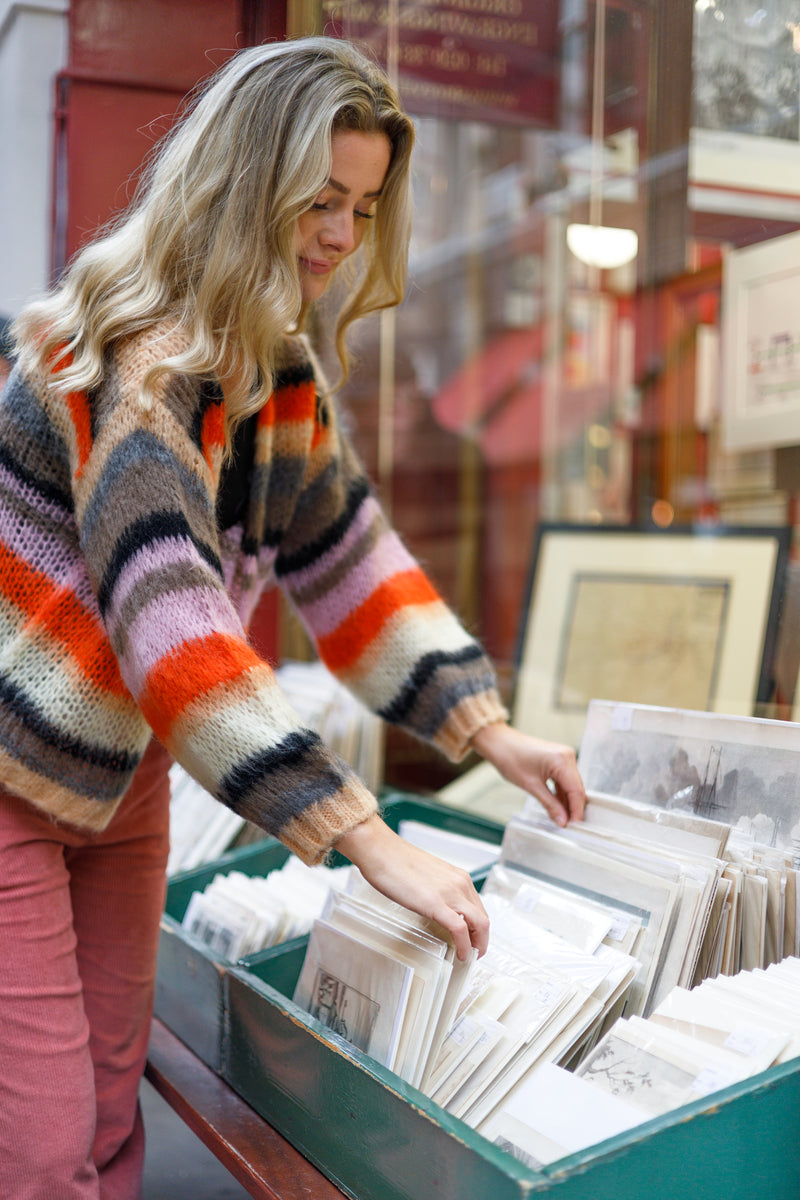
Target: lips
<point>317,266</point>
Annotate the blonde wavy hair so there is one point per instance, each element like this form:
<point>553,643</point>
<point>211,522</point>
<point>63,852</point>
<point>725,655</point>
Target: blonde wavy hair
<point>208,243</point>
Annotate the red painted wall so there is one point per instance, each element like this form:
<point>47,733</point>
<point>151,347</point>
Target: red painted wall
<point>129,67</point>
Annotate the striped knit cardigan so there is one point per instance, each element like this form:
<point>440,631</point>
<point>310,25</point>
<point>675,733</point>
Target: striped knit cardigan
<point>131,563</point>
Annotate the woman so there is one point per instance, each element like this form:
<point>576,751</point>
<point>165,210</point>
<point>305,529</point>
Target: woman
<point>168,448</point>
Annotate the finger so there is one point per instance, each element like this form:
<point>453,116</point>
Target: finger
<point>456,925</point>
<point>571,790</point>
<point>468,924</point>
<point>552,802</point>
<point>478,925</point>
<point>572,798</point>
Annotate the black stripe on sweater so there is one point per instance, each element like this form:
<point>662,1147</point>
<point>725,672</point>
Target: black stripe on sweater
<point>276,785</point>
<point>154,527</point>
<point>286,564</point>
<point>423,672</point>
<point>291,375</point>
<point>32,719</point>
<point>47,490</point>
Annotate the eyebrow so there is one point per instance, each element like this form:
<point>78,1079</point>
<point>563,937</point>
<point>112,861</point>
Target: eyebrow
<point>345,191</point>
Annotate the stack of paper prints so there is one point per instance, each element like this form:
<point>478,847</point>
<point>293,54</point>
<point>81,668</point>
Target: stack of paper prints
<point>392,977</point>
<point>740,772</point>
<point>465,1034</point>
<point>693,1044</point>
<point>671,877</point>
<point>239,914</point>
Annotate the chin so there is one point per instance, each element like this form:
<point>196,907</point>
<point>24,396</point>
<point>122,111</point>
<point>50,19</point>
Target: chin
<point>312,290</point>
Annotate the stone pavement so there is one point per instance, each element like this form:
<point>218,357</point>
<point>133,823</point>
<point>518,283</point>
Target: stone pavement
<point>177,1164</point>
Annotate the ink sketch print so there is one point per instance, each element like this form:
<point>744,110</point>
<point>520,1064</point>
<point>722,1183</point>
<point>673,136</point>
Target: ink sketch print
<point>633,1074</point>
<point>740,771</point>
<point>657,640</point>
<point>343,1009</point>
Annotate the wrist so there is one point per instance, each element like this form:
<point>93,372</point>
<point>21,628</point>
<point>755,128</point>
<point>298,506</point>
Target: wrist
<point>359,841</point>
<point>488,740</point>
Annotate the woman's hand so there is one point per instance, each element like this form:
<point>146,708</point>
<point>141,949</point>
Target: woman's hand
<point>529,763</point>
<point>420,881</point>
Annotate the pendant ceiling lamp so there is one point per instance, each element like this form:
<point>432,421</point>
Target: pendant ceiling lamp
<point>598,245</point>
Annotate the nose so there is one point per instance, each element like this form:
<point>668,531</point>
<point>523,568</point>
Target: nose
<point>339,232</point>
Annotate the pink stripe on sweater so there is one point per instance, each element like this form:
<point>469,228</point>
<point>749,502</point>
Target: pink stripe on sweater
<point>357,528</point>
<point>387,558</point>
<point>170,621</point>
<point>56,556</point>
<point>10,482</point>
<point>152,559</point>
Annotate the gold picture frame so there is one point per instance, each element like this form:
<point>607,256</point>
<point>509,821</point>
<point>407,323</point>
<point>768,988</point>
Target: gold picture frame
<point>680,618</point>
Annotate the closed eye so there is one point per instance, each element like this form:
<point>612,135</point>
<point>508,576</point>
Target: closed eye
<point>323,207</point>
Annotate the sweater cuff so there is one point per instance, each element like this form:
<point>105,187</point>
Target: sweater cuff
<point>311,835</point>
<point>464,721</point>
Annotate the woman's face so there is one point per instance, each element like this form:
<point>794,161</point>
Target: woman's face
<point>333,227</point>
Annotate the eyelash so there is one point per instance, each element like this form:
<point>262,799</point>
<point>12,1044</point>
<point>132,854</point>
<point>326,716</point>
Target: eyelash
<point>364,216</point>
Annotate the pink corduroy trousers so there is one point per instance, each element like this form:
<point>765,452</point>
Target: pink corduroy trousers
<point>79,917</point>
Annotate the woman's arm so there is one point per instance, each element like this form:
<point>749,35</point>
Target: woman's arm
<point>145,486</point>
<point>419,881</point>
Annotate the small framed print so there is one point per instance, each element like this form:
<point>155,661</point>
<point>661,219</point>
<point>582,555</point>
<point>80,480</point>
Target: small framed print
<point>761,345</point>
<point>679,619</point>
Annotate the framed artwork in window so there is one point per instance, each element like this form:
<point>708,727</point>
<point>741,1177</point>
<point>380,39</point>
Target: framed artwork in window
<point>761,345</point>
<point>680,618</point>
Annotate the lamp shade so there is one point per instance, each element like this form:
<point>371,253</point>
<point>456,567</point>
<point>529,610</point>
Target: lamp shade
<point>602,245</point>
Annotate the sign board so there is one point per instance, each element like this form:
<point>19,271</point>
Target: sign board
<point>479,60</point>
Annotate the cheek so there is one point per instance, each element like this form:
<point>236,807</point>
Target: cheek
<point>305,229</point>
<point>359,232</point>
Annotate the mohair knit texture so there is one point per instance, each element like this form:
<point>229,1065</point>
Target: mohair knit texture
<point>131,562</point>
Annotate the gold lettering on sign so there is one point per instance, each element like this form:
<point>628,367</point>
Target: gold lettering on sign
<point>505,8</point>
<point>452,93</point>
<point>444,44</point>
<point>413,54</point>
<point>360,11</point>
<point>491,64</point>
<point>454,24</point>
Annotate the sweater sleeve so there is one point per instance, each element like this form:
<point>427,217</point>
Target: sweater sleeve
<point>376,619</point>
<point>144,483</point>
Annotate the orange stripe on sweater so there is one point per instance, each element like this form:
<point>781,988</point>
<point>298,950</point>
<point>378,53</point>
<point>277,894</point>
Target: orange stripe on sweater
<point>189,672</point>
<point>212,435</point>
<point>78,404</point>
<point>62,616</point>
<point>298,402</point>
<point>347,643</point>
<point>266,415</point>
